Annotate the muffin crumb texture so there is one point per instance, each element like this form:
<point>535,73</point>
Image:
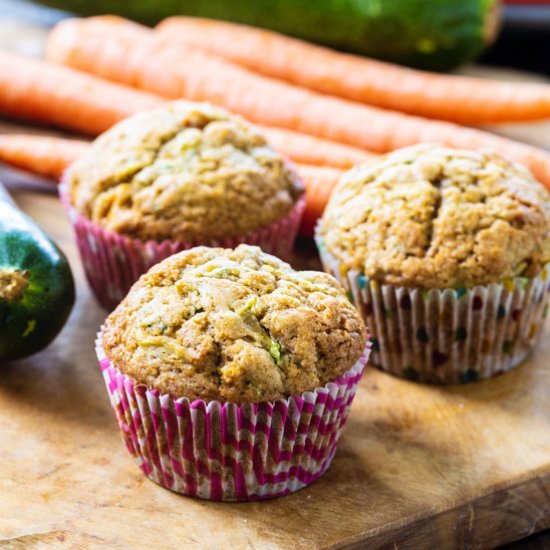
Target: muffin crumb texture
<point>233,325</point>
<point>434,217</point>
<point>185,171</point>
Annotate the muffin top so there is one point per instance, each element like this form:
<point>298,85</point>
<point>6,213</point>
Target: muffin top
<point>433,217</point>
<point>183,171</point>
<point>233,325</point>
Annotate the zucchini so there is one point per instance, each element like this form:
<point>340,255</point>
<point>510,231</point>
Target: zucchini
<point>36,284</point>
<point>434,35</point>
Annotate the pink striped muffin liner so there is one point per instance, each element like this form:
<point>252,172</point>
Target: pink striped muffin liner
<point>231,451</point>
<point>452,335</point>
<point>114,262</point>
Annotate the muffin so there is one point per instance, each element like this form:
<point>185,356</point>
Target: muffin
<point>172,178</point>
<point>445,253</point>
<point>231,375</point>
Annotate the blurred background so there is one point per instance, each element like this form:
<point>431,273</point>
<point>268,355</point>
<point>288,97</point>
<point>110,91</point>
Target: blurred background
<point>522,43</point>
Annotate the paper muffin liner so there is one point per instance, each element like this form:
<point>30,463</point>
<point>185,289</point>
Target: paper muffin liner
<point>114,262</point>
<point>451,335</point>
<point>231,451</point>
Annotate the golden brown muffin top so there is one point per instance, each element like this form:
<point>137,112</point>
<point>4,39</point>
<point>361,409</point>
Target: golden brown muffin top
<point>183,171</point>
<point>433,217</point>
<point>233,325</point>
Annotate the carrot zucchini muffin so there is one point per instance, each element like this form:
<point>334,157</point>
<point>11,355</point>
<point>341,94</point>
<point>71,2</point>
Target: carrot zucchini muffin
<point>233,325</point>
<point>467,224</point>
<point>231,375</point>
<point>181,175</point>
<point>182,172</point>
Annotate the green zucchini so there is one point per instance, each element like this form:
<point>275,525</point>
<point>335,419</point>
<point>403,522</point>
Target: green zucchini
<point>434,35</point>
<point>36,284</point>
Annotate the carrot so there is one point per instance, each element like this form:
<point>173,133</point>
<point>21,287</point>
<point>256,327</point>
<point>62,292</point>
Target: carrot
<point>52,94</point>
<point>50,156</point>
<point>314,151</point>
<point>43,155</point>
<point>462,99</point>
<point>127,52</point>
<point>319,182</point>
<point>45,92</point>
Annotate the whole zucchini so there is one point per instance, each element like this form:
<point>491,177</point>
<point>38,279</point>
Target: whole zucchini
<point>36,284</point>
<point>430,34</point>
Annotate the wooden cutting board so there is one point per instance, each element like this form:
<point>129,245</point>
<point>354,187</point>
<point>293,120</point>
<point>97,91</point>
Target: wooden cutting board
<point>418,466</point>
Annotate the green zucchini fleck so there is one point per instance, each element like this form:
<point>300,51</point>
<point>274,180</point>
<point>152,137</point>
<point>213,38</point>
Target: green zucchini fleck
<point>276,351</point>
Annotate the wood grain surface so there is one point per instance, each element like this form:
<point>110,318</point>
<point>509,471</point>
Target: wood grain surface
<point>418,466</point>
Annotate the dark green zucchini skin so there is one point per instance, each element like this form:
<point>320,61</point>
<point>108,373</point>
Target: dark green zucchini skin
<point>31,321</point>
<point>434,35</point>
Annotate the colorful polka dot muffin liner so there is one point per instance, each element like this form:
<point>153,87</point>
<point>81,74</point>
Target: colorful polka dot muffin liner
<point>229,451</point>
<point>452,335</point>
<point>114,262</point>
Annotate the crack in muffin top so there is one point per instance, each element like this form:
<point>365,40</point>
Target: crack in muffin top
<point>233,325</point>
<point>184,171</point>
<point>433,217</point>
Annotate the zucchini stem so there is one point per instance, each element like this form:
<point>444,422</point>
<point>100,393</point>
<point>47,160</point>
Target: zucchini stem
<point>493,23</point>
<point>13,283</point>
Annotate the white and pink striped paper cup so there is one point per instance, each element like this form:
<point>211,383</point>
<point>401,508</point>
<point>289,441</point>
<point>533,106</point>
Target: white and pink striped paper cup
<point>114,262</point>
<point>231,451</point>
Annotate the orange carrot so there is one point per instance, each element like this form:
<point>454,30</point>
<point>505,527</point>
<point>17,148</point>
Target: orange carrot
<point>43,155</point>
<point>312,150</point>
<point>462,99</point>
<point>126,52</point>
<point>45,92</point>
<point>48,93</point>
<point>319,182</point>
<point>50,156</point>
